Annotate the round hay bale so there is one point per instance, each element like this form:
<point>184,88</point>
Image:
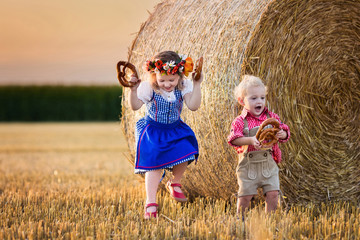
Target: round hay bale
<point>308,54</point>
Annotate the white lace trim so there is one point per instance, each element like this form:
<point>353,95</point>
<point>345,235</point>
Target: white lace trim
<point>141,171</point>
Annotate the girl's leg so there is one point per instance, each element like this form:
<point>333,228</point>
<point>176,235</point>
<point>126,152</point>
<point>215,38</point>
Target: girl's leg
<point>178,172</point>
<point>271,201</point>
<point>152,180</point>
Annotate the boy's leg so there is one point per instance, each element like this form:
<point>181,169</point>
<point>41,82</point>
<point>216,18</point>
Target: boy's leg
<point>178,172</point>
<point>152,180</point>
<point>243,203</point>
<point>271,201</point>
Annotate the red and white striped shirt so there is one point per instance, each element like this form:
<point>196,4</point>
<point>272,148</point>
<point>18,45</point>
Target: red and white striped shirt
<point>237,128</point>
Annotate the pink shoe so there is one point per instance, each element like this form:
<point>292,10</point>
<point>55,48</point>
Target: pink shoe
<point>148,215</point>
<point>178,196</point>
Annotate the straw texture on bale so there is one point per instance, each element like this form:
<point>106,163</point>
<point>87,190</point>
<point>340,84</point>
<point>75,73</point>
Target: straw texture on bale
<point>308,54</point>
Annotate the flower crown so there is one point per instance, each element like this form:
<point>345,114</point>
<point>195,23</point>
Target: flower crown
<point>185,66</point>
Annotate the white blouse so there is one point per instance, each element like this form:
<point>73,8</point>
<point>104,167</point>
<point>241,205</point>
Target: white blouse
<point>145,91</point>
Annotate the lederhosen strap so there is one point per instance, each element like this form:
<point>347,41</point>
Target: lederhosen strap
<point>246,131</point>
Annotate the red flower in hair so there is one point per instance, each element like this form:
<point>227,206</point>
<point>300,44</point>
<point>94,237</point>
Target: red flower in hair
<point>159,64</point>
<point>175,69</point>
<point>147,66</point>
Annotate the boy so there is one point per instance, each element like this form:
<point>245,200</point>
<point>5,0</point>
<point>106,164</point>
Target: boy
<point>257,166</point>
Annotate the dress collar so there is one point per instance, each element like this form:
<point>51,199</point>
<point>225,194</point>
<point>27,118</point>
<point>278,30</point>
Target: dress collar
<point>169,96</point>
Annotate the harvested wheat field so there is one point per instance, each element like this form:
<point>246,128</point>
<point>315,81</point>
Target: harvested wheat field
<point>307,52</point>
<point>74,181</point>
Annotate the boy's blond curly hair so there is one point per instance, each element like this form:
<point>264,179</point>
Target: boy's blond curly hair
<point>246,82</point>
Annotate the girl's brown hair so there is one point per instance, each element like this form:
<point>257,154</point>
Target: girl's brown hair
<point>166,56</point>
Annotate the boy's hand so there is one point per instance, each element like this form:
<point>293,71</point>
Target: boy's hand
<point>255,142</point>
<point>281,134</point>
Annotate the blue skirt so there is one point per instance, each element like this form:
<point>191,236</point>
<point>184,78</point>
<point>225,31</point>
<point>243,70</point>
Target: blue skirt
<point>162,146</point>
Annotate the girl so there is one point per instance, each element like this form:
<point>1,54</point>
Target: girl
<point>163,140</point>
<point>257,166</point>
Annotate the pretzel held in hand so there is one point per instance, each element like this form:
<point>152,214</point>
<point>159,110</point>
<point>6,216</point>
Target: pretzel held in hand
<point>267,137</point>
<point>121,67</point>
<point>198,68</point>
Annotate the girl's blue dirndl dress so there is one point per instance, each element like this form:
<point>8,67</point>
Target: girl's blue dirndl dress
<point>163,140</point>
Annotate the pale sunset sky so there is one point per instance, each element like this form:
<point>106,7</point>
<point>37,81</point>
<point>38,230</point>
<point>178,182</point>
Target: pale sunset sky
<point>67,42</point>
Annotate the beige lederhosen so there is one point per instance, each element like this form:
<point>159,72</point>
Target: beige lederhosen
<point>256,169</point>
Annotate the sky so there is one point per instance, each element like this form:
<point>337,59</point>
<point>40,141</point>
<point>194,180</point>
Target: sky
<point>67,42</point>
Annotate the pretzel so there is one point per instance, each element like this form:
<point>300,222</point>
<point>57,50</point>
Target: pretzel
<point>198,68</point>
<point>267,137</point>
<point>121,67</point>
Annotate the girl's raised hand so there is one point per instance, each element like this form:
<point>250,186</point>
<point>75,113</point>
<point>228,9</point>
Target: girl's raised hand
<point>197,74</point>
<point>200,79</point>
<point>121,67</point>
<point>136,82</point>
